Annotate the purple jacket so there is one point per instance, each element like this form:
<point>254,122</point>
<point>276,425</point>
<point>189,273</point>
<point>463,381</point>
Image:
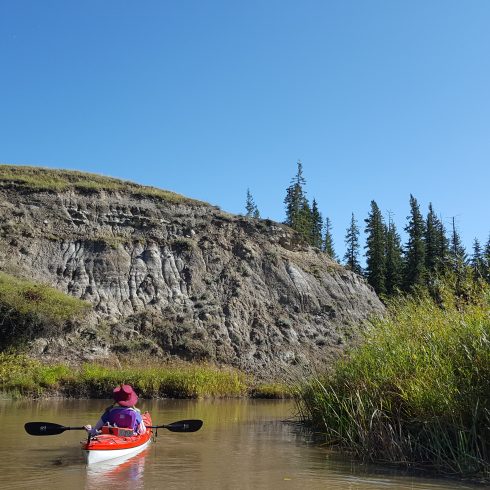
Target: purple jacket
<point>126,417</point>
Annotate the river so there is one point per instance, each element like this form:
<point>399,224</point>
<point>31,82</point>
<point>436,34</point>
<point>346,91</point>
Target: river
<point>244,444</point>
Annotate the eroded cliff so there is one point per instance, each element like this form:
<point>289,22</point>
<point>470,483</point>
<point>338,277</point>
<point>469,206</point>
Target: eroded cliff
<point>176,277</point>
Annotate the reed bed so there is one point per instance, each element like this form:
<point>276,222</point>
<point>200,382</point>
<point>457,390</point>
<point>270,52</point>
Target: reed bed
<point>416,391</point>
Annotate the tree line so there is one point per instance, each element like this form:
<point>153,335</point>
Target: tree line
<point>431,251</point>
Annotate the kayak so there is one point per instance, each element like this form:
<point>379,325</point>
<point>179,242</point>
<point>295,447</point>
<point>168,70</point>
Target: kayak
<point>116,442</point>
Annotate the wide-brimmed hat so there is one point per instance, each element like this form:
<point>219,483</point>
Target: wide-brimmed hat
<point>125,395</point>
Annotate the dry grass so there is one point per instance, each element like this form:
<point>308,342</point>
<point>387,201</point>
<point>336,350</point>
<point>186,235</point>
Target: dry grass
<point>46,179</point>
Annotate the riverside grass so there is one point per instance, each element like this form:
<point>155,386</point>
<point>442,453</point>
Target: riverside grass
<point>21,376</point>
<point>416,391</point>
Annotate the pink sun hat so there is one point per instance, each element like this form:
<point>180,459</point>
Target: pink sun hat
<point>125,395</point>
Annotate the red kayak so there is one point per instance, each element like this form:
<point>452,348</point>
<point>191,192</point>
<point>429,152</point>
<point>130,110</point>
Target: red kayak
<point>115,442</point>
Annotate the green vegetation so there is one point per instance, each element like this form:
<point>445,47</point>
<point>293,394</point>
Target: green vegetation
<point>28,308</point>
<point>328,246</point>
<point>376,249</point>
<point>30,298</point>
<point>44,179</point>
<point>417,390</point>
<point>390,267</point>
<point>251,207</point>
<point>351,256</point>
<point>273,390</point>
<point>23,376</point>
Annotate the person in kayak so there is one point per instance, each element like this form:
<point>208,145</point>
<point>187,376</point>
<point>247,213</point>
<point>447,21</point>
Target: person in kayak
<point>122,413</point>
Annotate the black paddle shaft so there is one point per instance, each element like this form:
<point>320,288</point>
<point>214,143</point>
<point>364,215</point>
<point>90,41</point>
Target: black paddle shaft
<point>47,428</point>
<point>180,426</point>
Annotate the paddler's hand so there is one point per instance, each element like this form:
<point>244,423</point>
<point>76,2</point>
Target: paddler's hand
<point>88,428</point>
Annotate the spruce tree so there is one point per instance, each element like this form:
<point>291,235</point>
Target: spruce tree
<point>304,223</point>
<point>486,260</point>
<point>375,249</point>
<point>459,262</point>
<point>394,259</point>
<point>328,246</point>
<point>432,237</point>
<point>316,225</point>
<point>477,261</point>
<point>457,252</point>
<point>251,207</point>
<point>442,246</point>
<point>298,212</point>
<point>414,273</point>
<point>295,197</point>
<point>351,256</point>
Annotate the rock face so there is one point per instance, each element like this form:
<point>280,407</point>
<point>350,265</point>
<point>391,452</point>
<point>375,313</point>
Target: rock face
<point>180,279</point>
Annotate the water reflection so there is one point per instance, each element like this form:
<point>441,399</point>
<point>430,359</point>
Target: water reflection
<point>244,444</point>
<point>128,470</point>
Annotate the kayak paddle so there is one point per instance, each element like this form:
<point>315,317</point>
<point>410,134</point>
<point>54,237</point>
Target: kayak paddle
<point>180,426</point>
<point>47,428</point>
<point>50,429</point>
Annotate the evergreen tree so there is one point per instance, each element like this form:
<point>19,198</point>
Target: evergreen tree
<point>316,226</point>
<point>328,246</point>
<point>375,249</point>
<point>478,261</point>
<point>414,274</point>
<point>304,223</point>
<point>457,253</point>
<point>351,256</point>
<point>486,261</point>
<point>442,246</point>
<point>432,237</point>
<point>295,197</point>
<point>250,206</point>
<point>394,260</point>
<point>298,212</point>
<point>459,263</point>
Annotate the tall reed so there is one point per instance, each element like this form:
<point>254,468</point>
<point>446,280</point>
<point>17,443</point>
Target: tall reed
<point>416,390</point>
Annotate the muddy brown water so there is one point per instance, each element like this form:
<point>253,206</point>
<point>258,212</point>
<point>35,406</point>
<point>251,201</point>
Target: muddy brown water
<point>244,444</point>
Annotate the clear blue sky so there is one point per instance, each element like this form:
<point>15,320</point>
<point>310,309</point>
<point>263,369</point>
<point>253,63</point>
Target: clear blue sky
<point>379,99</point>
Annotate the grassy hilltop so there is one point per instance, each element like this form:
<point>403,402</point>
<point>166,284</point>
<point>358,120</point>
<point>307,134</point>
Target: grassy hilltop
<point>45,179</point>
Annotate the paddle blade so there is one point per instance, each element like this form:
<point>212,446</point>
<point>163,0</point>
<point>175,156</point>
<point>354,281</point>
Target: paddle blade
<point>43,428</point>
<point>184,426</point>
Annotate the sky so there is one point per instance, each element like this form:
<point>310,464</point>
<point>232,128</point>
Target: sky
<point>379,99</point>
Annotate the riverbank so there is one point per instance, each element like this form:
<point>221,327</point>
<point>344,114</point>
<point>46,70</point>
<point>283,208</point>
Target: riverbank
<point>24,377</point>
<point>416,391</point>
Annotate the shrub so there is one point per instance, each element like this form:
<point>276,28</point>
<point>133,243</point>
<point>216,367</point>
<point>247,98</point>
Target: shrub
<point>28,309</point>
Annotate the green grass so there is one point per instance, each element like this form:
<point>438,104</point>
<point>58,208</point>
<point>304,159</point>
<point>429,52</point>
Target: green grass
<point>272,391</point>
<point>416,391</point>
<point>154,381</point>
<point>32,299</point>
<point>22,376</point>
<point>44,179</point>
<point>25,377</point>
